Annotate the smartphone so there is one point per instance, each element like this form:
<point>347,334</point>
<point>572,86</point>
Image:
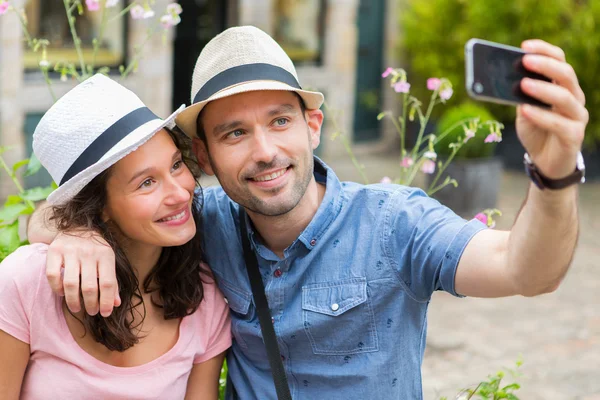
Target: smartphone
<point>494,72</point>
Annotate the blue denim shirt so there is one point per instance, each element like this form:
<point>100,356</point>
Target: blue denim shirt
<point>348,300</point>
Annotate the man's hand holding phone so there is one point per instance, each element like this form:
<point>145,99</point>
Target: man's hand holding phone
<point>553,133</point>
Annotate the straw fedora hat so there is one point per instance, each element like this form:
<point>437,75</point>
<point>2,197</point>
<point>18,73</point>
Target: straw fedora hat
<point>88,130</point>
<point>241,59</point>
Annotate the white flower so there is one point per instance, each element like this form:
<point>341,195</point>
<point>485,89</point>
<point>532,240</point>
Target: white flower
<point>148,14</point>
<point>445,94</point>
<point>111,3</point>
<point>44,64</point>
<point>469,133</point>
<point>174,8</point>
<point>137,12</point>
<point>430,155</point>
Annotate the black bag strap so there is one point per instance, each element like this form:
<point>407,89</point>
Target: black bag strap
<point>264,315</point>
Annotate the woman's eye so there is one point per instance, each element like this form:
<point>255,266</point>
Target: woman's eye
<point>146,184</point>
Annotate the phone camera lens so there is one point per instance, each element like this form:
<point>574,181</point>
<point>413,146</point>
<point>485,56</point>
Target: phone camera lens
<point>478,87</point>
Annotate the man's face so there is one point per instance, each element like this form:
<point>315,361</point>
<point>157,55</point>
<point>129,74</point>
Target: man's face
<point>260,146</point>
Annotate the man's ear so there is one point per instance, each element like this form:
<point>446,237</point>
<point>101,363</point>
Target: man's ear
<point>201,152</point>
<point>315,122</point>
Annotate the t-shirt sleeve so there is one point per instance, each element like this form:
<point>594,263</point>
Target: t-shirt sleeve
<point>217,321</point>
<point>20,275</point>
<point>423,241</point>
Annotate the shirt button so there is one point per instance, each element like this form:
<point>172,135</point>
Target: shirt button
<point>282,358</point>
<point>272,320</point>
<point>335,306</point>
<point>313,242</point>
<point>277,273</point>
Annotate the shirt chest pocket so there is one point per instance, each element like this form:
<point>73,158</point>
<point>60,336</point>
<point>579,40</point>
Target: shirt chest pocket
<point>241,308</point>
<point>338,317</point>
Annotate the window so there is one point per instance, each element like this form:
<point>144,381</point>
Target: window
<point>48,20</point>
<point>299,28</point>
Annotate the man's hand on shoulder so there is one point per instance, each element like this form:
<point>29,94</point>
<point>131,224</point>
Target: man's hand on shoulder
<point>89,264</point>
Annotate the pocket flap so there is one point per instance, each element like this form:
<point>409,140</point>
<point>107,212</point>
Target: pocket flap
<point>334,298</point>
<point>238,300</point>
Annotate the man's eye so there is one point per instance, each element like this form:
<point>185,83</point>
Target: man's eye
<point>281,121</point>
<point>177,165</point>
<point>236,134</point>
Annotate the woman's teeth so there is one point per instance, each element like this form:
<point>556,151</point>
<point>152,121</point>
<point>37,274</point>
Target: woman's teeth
<point>270,177</point>
<point>174,217</point>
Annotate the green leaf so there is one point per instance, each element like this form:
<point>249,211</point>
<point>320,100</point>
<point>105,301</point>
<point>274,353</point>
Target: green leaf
<point>10,213</point>
<point>20,164</point>
<point>380,115</point>
<point>37,193</point>
<point>13,199</point>
<point>9,238</point>
<point>33,166</point>
<point>513,386</point>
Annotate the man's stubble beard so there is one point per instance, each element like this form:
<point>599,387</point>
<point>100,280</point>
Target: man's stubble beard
<point>254,204</point>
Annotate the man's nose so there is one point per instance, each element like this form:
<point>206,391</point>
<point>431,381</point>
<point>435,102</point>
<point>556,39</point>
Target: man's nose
<point>263,149</point>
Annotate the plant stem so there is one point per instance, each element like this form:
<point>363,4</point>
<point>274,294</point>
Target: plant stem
<point>347,146</point>
<point>445,133</point>
<point>403,131</point>
<point>423,122</point>
<point>76,40</point>
<point>25,30</point>
<point>100,37</point>
<point>138,51</point>
<point>122,12</point>
<point>444,166</point>
<point>49,84</point>
<point>15,181</point>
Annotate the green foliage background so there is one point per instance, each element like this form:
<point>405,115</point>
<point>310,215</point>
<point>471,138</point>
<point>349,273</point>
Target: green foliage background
<point>435,32</point>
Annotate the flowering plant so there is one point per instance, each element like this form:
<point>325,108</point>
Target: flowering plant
<point>23,203</point>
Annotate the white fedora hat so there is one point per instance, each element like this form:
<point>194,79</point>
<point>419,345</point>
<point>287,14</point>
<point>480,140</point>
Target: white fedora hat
<point>241,59</point>
<point>89,129</point>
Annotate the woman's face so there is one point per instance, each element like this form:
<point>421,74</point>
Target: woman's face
<point>150,194</point>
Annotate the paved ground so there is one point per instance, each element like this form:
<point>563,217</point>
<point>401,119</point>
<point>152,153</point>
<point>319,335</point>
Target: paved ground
<point>558,335</point>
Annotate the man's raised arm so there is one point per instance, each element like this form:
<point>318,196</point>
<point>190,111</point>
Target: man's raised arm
<point>87,261</point>
<point>535,255</point>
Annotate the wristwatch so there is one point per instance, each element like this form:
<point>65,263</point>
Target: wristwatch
<point>542,182</point>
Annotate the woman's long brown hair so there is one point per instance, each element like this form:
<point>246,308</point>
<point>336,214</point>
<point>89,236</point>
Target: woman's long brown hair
<point>176,278</point>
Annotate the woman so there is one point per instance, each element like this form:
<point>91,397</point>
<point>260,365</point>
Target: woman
<point>122,173</point>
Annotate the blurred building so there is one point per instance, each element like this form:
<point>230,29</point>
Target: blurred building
<point>340,47</point>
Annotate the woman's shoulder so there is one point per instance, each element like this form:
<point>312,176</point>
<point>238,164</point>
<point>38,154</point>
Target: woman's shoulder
<point>26,264</point>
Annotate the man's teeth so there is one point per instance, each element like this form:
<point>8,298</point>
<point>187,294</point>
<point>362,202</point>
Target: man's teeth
<point>270,177</point>
<point>174,217</point>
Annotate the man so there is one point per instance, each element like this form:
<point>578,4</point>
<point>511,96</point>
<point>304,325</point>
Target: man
<point>348,269</point>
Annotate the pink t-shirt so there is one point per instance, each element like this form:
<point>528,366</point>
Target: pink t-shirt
<point>59,369</point>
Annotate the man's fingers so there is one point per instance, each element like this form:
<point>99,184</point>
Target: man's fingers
<point>560,72</point>
<point>563,101</point>
<point>542,47</point>
<point>565,129</point>
<point>71,282</point>
<point>107,279</point>
<point>89,284</point>
<point>54,262</point>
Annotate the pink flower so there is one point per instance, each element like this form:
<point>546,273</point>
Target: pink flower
<point>433,83</point>
<point>92,5</point>
<point>493,137</point>
<point>446,94</point>
<point>111,3</point>
<point>4,7</point>
<point>469,133</point>
<point>387,72</point>
<point>402,87</point>
<point>169,20</point>
<point>482,217</point>
<point>385,179</point>
<point>137,12</point>
<point>428,167</point>
<point>406,162</point>
<point>174,8</point>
